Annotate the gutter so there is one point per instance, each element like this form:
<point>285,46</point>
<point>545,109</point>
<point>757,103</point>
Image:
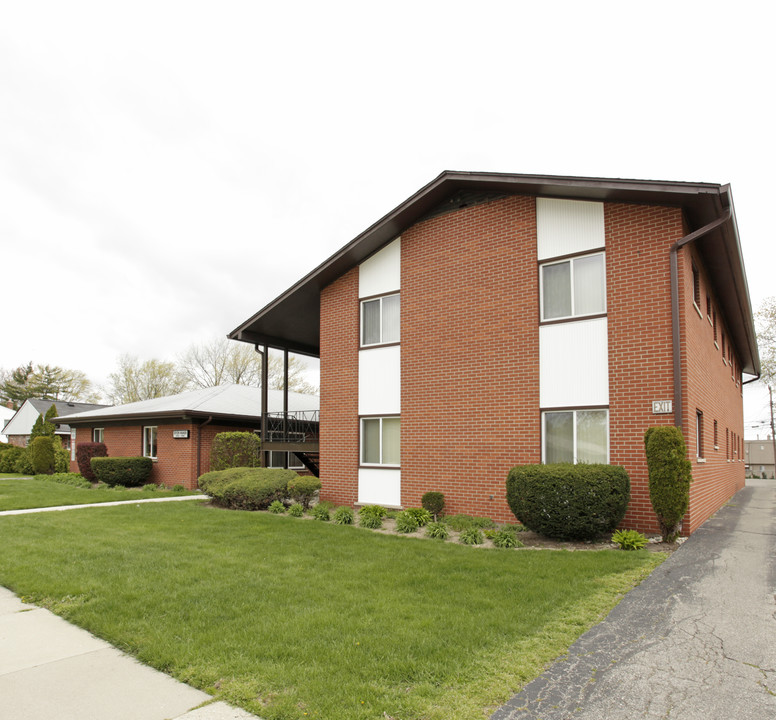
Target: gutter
<point>675,332</point>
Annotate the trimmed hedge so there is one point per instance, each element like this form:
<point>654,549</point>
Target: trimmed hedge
<point>8,457</point>
<point>246,488</point>
<point>569,502</point>
<point>127,471</point>
<point>670,475</point>
<point>302,489</point>
<point>84,452</point>
<point>41,453</point>
<point>235,449</point>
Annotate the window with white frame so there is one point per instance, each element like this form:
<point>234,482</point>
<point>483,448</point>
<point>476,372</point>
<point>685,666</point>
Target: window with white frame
<point>576,436</point>
<point>149,441</point>
<point>98,434</point>
<point>573,288</point>
<point>381,441</point>
<point>380,320</point>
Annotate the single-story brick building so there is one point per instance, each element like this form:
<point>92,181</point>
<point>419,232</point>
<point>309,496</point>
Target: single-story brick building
<point>492,320</point>
<point>20,424</point>
<point>177,431</point>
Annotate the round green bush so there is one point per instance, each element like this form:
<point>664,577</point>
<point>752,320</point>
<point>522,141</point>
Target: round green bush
<point>247,488</point>
<point>434,502</point>
<point>126,471</point>
<point>302,489</point>
<point>569,502</point>
<point>8,457</point>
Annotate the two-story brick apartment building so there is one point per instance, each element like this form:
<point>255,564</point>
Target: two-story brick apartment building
<point>495,319</point>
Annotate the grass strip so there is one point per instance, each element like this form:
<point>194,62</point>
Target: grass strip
<point>23,493</point>
<point>295,619</point>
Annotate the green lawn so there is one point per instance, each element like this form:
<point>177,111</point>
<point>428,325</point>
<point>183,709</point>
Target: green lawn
<point>22,493</point>
<point>293,618</point>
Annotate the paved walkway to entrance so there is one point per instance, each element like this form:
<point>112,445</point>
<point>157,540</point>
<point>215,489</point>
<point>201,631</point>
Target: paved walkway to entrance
<point>695,641</point>
<point>105,504</point>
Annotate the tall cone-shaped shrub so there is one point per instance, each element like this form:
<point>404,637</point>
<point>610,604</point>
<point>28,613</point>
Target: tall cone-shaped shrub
<point>670,475</point>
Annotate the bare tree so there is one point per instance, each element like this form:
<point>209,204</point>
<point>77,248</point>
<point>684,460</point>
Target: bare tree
<point>135,380</point>
<point>765,318</point>
<point>220,361</point>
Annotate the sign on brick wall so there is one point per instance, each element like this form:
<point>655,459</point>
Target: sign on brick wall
<point>180,434</point>
<point>662,407</point>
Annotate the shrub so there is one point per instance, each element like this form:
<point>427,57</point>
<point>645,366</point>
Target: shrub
<point>235,449</point>
<point>178,488</point>
<point>296,510</point>
<point>150,487</point>
<point>8,457</point>
<point>629,539</point>
<point>276,507</point>
<point>406,522</point>
<point>505,538</point>
<point>23,464</point>
<point>321,512</point>
<point>61,457</point>
<point>371,516</point>
<point>302,489</point>
<point>421,515</point>
<point>483,522</point>
<point>437,530</point>
<point>84,452</point>
<point>670,475</point>
<point>434,502</point>
<point>127,471</point>
<point>73,479</point>
<point>569,502</point>
<point>247,488</point>
<point>343,516</point>
<point>471,536</point>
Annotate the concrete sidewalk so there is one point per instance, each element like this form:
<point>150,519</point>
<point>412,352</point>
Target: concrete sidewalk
<point>52,669</point>
<point>112,503</point>
<point>695,641</point>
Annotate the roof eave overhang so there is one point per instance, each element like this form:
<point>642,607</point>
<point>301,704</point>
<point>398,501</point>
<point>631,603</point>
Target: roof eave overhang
<point>167,415</point>
<point>292,320</point>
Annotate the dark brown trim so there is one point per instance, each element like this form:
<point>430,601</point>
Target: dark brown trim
<point>379,295</point>
<point>379,345</point>
<point>572,318</point>
<point>379,467</point>
<point>568,408</point>
<point>571,256</point>
<point>383,415</point>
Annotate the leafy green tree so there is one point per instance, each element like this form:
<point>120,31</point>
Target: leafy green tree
<point>46,382</point>
<point>37,429</point>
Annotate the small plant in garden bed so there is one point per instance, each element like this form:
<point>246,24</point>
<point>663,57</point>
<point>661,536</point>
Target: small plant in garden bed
<point>276,507</point>
<point>406,522</point>
<point>343,516</point>
<point>321,511</point>
<point>371,516</point>
<point>150,487</point>
<point>178,488</point>
<point>296,510</point>
<point>629,539</point>
<point>505,538</point>
<point>437,530</point>
<point>421,515</point>
<point>471,536</point>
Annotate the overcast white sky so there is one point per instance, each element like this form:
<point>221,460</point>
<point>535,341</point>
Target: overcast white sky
<point>168,168</point>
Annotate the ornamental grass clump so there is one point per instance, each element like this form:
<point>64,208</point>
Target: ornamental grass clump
<point>569,502</point>
<point>471,536</point>
<point>437,530</point>
<point>629,539</point>
<point>276,507</point>
<point>406,522</point>
<point>670,475</point>
<point>505,538</point>
<point>371,516</point>
<point>421,515</point>
<point>343,516</point>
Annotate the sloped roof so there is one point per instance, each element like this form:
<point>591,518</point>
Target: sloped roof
<point>227,401</point>
<point>22,421</point>
<point>292,320</point>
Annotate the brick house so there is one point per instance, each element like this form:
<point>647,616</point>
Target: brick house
<point>496,319</point>
<point>177,431</point>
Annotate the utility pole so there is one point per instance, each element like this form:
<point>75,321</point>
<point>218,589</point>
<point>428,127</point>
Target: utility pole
<point>773,428</point>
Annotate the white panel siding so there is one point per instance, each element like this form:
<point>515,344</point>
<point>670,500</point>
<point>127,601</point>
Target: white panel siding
<point>379,487</point>
<point>565,227</point>
<point>574,364</point>
<point>379,381</point>
<point>381,273</point>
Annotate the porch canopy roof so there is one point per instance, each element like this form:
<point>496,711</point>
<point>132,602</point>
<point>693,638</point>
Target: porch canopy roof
<point>292,320</point>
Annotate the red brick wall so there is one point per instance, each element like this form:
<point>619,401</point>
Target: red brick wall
<point>712,389</point>
<point>470,370</point>
<point>339,442</point>
<point>638,280</point>
<point>469,354</point>
<point>176,462</point>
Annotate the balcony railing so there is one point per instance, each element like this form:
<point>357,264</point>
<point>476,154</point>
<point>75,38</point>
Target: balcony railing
<point>293,427</point>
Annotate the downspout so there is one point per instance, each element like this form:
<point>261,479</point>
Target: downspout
<point>676,335</point>
<point>199,444</point>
